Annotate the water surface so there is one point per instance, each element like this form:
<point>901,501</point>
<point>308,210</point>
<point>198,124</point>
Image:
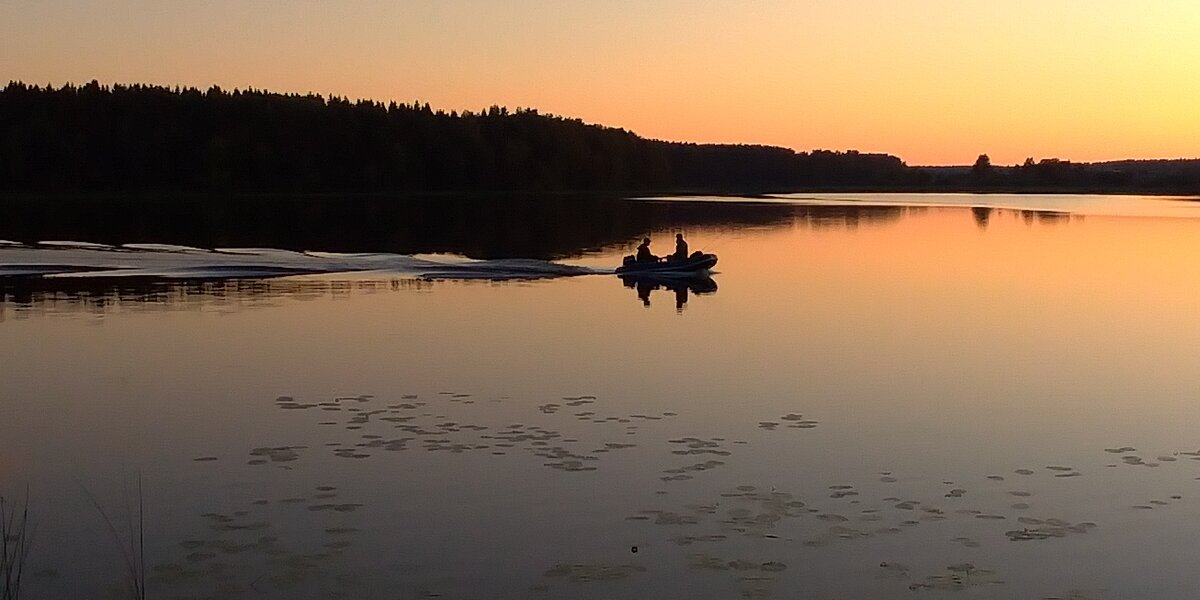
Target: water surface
<point>874,397</point>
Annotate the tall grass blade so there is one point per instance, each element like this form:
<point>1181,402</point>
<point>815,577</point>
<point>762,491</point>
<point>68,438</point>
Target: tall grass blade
<point>16,539</point>
<point>132,550</point>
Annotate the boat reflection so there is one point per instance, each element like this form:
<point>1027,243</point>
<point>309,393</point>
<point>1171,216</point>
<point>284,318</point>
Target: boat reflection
<point>699,285</point>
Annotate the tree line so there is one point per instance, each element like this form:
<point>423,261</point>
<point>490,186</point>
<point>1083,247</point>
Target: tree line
<point>1052,174</point>
<point>153,139</point>
<point>97,138</point>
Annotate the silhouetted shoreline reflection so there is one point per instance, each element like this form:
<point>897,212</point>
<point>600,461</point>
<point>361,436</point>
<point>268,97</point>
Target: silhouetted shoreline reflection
<point>472,226</point>
<point>983,216</point>
<point>481,226</point>
<point>1047,217</point>
<point>23,297</point>
<point>102,295</point>
<point>699,285</point>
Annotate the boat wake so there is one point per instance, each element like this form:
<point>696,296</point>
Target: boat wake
<point>66,259</point>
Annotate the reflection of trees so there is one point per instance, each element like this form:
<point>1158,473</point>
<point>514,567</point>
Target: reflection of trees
<point>848,217</point>
<point>21,297</point>
<point>1052,217</point>
<point>981,215</point>
<point>477,226</point>
<point>1046,217</point>
<point>102,295</point>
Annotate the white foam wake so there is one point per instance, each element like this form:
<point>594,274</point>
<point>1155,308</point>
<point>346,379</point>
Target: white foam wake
<point>59,259</point>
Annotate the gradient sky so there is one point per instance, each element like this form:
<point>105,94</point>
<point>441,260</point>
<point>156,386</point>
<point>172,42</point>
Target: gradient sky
<point>932,81</point>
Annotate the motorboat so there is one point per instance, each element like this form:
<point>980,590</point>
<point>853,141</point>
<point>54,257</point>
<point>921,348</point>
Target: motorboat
<point>698,262</point>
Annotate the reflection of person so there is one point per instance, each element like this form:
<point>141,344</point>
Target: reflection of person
<point>643,252</point>
<point>643,291</point>
<point>681,296</point>
<point>682,289</point>
<point>681,248</point>
<point>644,287</point>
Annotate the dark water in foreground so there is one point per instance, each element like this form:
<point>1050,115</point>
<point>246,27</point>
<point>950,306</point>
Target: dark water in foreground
<point>866,402</point>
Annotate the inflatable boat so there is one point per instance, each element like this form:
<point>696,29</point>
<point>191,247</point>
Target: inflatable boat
<point>698,262</point>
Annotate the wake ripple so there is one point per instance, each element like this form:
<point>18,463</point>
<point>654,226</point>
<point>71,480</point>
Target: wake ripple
<point>64,259</point>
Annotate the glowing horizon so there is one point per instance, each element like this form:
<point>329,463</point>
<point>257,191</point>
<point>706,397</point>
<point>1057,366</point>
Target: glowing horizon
<point>933,81</point>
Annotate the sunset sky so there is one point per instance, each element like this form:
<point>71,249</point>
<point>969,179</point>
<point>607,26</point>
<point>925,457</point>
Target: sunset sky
<point>932,81</point>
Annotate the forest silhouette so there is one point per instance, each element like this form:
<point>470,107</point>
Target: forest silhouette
<point>150,139</point>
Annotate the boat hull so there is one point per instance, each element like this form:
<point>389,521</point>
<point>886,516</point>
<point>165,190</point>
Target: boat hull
<point>667,268</point>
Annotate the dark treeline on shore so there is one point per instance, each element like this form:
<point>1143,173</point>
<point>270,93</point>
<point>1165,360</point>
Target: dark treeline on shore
<point>1178,176</point>
<point>149,139</point>
<point>98,138</point>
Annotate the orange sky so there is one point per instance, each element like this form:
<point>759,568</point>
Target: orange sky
<point>932,81</point>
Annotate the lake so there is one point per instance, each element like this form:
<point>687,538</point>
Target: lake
<point>874,396</point>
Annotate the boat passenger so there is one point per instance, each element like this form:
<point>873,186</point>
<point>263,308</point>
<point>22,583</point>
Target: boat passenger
<point>643,252</point>
<point>681,248</point>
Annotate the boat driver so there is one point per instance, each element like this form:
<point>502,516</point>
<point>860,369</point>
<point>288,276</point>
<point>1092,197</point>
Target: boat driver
<point>643,252</point>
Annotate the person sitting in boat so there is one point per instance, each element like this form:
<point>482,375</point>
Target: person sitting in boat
<point>681,248</point>
<point>643,252</point>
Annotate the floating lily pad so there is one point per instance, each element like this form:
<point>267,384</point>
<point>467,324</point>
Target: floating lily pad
<point>962,576</point>
<point>893,570</point>
<point>347,507</point>
<point>593,572</point>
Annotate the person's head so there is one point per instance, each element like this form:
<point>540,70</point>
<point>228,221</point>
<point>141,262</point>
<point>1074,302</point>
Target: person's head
<point>645,240</point>
<point>679,236</point>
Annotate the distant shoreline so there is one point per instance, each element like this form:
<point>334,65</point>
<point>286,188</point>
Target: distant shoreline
<point>749,194</point>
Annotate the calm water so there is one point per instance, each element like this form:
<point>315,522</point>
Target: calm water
<point>916,395</point>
